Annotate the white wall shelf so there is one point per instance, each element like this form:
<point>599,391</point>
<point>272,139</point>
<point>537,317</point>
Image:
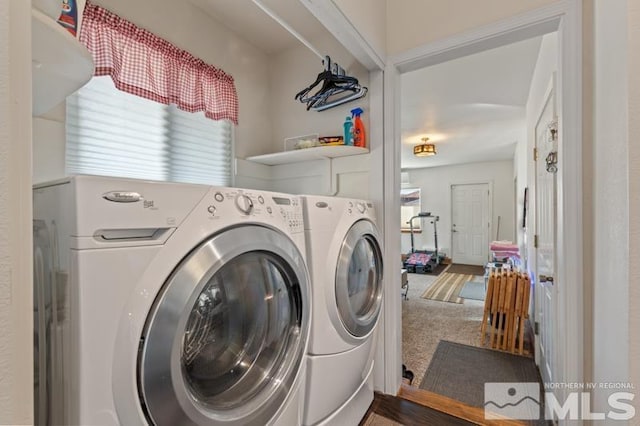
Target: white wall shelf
<point>60,63</point>
<point>308,154</point>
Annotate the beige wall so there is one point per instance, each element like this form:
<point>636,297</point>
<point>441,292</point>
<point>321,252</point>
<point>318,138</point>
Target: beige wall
<point>370,19</point>
<point>413,23</point>
<point>16,301</point>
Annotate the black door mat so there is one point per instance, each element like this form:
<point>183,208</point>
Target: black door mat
<point>460,372</point>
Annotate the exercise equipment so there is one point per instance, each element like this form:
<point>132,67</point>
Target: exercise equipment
<point>423,261</point>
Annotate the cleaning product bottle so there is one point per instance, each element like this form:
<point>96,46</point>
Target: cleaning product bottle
<point>359,135</point>
<point>348,131</point>
<point>69,16</point>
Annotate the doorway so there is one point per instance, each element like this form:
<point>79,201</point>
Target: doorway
<point>468,184</point>
<point>565,19</point>
<point>470,223</point>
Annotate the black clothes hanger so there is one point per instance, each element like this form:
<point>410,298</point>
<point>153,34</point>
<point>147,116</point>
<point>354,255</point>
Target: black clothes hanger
<point>323,77</point>
<point>334,82</point>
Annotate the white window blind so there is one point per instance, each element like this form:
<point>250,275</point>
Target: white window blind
<point>114,133</point>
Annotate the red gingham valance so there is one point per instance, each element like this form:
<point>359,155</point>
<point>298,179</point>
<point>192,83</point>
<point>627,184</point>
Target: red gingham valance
<point>143,64</point>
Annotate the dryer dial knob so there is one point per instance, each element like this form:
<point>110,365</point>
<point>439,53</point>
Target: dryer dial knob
<point>361,207</point>
<point>244,204</point>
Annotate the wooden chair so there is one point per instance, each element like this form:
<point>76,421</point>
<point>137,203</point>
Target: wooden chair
<point>507,308</point>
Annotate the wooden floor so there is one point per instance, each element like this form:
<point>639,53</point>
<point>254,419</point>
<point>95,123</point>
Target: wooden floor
<point>409,413</point>
<point>414,406</point>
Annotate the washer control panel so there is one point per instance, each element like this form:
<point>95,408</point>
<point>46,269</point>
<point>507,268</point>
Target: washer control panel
<point>285,210</point>
<point>244,203</point>
<point>356,207</point>
<point>360,208</point>
<point>290,209</point>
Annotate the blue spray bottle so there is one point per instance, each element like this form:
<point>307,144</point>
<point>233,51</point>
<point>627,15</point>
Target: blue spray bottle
<point>348,131</point>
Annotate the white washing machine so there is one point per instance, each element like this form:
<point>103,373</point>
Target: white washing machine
<point>345,260</point>
<point>168,304</point>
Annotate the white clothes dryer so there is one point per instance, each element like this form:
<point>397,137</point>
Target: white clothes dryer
<point>165,304</point>
<point>345,260</point>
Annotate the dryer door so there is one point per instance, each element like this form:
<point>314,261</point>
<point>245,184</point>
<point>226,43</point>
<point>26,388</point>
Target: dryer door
<point>359,279</point>
<point>226,336</point>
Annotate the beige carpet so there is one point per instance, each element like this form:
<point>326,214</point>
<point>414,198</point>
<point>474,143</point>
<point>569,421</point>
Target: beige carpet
<point>426,322</point>
<point>447,287</point>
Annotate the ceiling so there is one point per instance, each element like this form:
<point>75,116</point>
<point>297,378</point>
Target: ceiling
<point>472,108</point>
<point>247,20</point>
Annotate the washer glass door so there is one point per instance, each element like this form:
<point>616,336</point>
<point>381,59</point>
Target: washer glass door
<point>359,279</point>
<point>226,337</point>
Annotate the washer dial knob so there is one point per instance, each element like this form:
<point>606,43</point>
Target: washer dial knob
<point>244,204</point>
<point>361,207</point>
<point>218,197</point>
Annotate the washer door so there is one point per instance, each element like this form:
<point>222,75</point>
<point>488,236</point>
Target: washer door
<point>359,279</point>
<point>227,334</point>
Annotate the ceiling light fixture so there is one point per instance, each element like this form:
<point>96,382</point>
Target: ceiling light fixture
<point>424,149</point>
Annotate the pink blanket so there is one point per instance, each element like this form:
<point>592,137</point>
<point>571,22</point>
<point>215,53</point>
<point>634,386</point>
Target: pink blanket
<point>504,246</point>
<point>418,259</point>
<point>503,254</point>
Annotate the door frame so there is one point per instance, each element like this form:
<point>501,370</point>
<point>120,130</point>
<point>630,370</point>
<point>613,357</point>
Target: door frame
<point>549,96</point>
<point>489,184</point>
<point>565,17</point>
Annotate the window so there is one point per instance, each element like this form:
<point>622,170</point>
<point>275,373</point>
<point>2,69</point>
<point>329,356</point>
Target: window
<point>113,133</point>
<point>409,207</point>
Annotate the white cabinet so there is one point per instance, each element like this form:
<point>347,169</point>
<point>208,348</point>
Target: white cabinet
<point>60,63</point>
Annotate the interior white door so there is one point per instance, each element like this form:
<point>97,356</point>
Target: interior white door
<point>470,223</point>
<point>545,236</point>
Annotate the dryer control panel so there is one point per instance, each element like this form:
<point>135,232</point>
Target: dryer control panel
<point>283,209</point>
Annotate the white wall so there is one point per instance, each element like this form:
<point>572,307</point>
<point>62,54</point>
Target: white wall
<point>294,69</point>
<point>413,23</point>
<point>369,18</point>
<point>546,65</point>
<point>190,29</point>
<point>435,184</point>
<point>520,158</point>
<point>633,50</point>
<point>16,300</point>
<point>610,195</point>
<point>291,71</point>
